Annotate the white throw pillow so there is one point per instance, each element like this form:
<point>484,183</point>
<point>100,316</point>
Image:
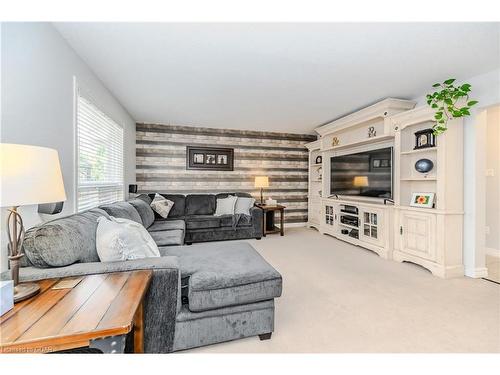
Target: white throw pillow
<point>243,205</point>
<point>225,206</point>
<point>123,239</point>
<point>161,205</point>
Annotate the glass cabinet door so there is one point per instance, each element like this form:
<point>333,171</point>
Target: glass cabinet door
<point>371,221</point>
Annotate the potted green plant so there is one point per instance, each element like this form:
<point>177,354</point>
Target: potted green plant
<point>450,102</point>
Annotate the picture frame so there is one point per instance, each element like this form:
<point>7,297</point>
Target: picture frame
<point>210,158</point>
<point>424,139</point>
<point>424,200</point>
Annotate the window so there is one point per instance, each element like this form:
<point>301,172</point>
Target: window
<point>99,157</point>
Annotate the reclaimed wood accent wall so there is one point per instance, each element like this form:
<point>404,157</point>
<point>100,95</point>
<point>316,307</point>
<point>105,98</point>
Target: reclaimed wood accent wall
<point>161,163</point>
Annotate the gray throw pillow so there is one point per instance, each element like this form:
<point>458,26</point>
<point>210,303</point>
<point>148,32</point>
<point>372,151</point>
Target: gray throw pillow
<point>144,210</point>
<point>225,206</point>
<point>243,205</point>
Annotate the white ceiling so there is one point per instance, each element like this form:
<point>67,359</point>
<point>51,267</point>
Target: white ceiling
<point>275,77</point>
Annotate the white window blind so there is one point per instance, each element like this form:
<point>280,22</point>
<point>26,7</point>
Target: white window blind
<point>100,157</point>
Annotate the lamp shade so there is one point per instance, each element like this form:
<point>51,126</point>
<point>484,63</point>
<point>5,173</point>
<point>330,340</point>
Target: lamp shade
<point>261,181</point>
<point>29,175</point>
<point>360,181</point>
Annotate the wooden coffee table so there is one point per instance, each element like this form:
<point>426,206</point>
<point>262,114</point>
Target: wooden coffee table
<point>99,311</point>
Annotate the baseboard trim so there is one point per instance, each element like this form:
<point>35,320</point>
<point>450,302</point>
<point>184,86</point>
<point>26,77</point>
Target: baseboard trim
<point>295,225</point>
<point>477,273</point>
<point>493,252</point>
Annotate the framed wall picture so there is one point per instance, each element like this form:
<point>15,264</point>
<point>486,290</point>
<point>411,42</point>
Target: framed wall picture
<point>425,200</point>
<point>209,158</point>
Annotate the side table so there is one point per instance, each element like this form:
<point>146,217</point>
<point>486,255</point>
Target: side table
<point>268,225</point>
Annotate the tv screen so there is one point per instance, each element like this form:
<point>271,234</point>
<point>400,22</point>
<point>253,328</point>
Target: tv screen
<point>366,174</point>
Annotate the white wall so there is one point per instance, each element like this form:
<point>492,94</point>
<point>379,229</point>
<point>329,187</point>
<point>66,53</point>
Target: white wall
<point>485,89</point>
<point>492,183</point>
<point>37,73</point>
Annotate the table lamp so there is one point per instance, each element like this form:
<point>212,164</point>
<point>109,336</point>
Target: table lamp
<point>360,182</point>
<point>261,182</point>
<point>28,175</point>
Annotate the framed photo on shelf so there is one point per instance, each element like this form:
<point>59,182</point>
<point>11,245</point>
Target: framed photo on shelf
<point>210,158</point>
<point>425,200</point>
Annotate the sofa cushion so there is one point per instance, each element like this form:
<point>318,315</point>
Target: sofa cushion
<point>178,208</point>
<point>123,210</point>
<point>168,237</point>
<point>223,274</point>
<point>145,211</point>
<point>202,222</point>
<point>167,225</point>
<point>64,241</point>
<point>241,220</point>
<point>200,204</point>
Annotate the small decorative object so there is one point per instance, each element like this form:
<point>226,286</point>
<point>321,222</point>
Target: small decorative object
<point>424,165</point>
<point>6,296</point>
<point>29,175</point>
<point>261,182</point>
<point>372,132</point>
<point>424,139</point>
<point>209,158</point>
<point>450,102</point>
<point>425,200</point>
<point>335,141</point>
<point>319,159</point>
<point>271,202</point>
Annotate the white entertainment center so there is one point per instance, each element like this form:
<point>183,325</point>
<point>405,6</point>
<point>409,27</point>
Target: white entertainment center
<point>430,237</point>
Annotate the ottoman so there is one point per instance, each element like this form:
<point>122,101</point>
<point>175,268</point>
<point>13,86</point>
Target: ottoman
<point>228,292</point>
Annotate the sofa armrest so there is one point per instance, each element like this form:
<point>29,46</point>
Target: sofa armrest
<point>257,219</point>
<point>162,301</point>
<point>93,268</point>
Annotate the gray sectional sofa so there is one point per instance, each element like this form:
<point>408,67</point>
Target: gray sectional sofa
<point>199,295</point>
<point>197,212</point>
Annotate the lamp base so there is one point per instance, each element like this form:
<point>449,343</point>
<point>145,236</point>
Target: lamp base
<point>24,291</point>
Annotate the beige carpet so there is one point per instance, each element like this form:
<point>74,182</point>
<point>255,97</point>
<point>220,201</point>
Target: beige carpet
<point>341,298</point>
<point>493,265</point>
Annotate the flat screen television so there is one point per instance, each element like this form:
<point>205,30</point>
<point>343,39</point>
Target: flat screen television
<point>367,173</point>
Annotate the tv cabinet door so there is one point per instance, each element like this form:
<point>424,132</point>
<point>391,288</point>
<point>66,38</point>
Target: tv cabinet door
<point>417,232</point>
<point>371,226</point>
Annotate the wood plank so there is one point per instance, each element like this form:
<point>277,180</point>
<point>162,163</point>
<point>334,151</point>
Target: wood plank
<point>44,285</point>
<point>54,319</point>
<point>122,310</point>
<point>25,318</point>
<point>91,313</point>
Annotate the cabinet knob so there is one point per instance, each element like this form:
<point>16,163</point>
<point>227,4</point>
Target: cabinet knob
<point>401,230</point>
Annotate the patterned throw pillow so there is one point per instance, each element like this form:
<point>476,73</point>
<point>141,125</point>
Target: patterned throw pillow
<point>122,239</point>
<point>161,205</point>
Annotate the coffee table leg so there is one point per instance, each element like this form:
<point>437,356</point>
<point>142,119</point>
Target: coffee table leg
<point>109,345</point>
